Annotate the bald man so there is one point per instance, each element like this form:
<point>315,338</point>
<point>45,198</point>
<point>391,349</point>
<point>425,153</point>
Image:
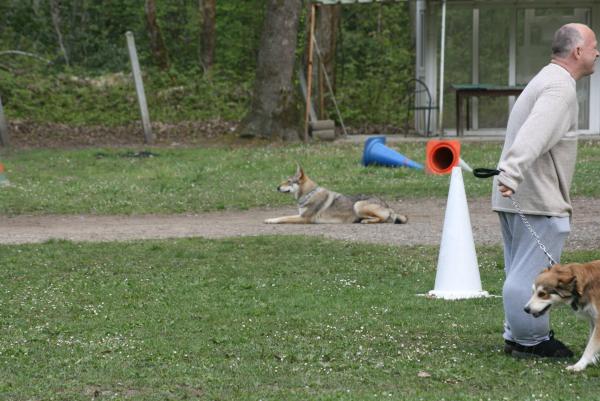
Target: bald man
<point>536,166</point>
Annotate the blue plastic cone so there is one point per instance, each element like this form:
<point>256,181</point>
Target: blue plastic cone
<point>376,152</point>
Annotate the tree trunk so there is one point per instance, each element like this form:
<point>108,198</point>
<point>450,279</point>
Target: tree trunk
<point>157,43</point>
<point>55,12</point>
<point>328,21</point>
<point>208,10</point>
<point>274,111</point>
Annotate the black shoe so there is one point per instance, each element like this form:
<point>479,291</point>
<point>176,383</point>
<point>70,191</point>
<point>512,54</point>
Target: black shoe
<point>550,348</point>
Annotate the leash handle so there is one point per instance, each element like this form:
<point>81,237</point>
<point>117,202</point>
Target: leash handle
<point>485,172</point>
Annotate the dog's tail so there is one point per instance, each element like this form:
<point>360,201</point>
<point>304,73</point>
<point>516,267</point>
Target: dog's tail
<point>398,218</point>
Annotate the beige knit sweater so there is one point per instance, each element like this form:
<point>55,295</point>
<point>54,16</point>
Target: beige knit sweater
<point>540,148</point>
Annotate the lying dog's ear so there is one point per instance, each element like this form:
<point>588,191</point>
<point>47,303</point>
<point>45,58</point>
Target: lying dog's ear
<point>299,171</point>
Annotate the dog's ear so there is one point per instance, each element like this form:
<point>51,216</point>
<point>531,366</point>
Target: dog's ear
<point>299,171</point>
<point>566,280</point>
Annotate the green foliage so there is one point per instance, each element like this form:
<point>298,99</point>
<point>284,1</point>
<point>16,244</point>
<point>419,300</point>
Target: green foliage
<point>72,98</point>
<point>239,26</point>
<point>93,32</point>
<point>374,60</point>
<point>271,318</point>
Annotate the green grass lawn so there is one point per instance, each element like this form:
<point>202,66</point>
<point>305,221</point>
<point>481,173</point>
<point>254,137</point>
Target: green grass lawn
<point>108,181</point>
<point>261,318</point>
<point>266,318</point>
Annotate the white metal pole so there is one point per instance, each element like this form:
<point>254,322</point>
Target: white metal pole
<point>475,69</point>
<point>139,87</point>
<point>512,56</point>
<point>420,70</point>
<point>4,140</point>
<point>442,60</point>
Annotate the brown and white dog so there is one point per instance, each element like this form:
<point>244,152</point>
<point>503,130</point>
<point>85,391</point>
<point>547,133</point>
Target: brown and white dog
<point>319,205</point>
<point>575,284</point>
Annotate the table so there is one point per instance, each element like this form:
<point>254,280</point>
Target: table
<point>465,91</point>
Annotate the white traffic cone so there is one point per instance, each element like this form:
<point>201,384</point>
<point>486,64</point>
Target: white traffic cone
<point>457,270</point>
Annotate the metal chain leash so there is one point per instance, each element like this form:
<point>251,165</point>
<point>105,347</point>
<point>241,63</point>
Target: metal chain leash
<point>517,206</point>
<point>485,173</point>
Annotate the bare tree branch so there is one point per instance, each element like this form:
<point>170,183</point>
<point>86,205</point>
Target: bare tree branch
<point>26,54</point>
<point>55,11</point>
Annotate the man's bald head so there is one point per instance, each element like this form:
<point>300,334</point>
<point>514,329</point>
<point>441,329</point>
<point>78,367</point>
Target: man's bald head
<point>575,48</point>
<point>566,39</point>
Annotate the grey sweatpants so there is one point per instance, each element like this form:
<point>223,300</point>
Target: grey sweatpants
<point>523,261</point>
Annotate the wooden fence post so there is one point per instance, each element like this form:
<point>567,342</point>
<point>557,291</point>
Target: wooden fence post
<point>139,87</point>
<point>311,34</point>
<point>4,140</point>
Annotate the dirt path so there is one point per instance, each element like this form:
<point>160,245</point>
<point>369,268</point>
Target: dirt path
<point>426,217</point>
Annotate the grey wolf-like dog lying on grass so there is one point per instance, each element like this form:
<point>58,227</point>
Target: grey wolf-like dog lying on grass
<point>320,205</point>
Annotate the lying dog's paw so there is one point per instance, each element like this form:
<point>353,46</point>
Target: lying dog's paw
<point>578,367</point>
<point>271,221</point>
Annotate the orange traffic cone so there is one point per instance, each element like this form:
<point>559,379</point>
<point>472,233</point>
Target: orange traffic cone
<point>443,155</point>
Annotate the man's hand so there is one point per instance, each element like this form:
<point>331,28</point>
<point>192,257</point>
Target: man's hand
<point>505,191</point>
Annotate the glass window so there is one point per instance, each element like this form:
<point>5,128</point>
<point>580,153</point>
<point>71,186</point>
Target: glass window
<point>535,31</point>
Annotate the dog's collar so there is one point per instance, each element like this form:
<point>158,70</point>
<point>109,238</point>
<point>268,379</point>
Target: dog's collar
<point>305,198</point>
<point>575,300</point>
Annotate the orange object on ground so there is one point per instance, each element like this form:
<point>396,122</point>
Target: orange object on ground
<point>442,155</point>
<point>3,181</point>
